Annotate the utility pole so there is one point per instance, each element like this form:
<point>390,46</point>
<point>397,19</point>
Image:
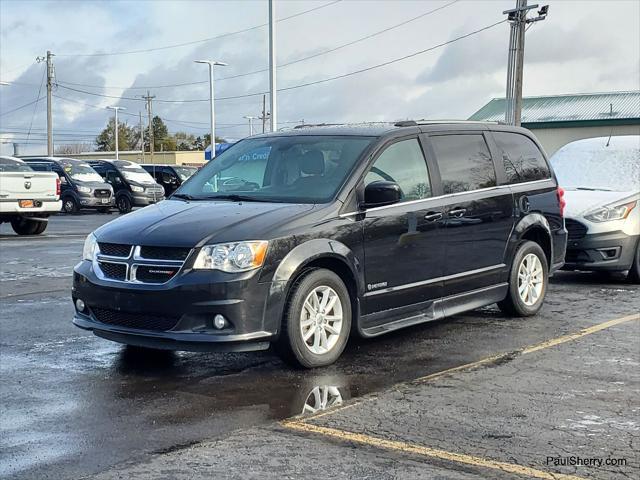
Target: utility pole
<point>517,17</point>
<point>264,113</point>
<point>272,66</point>
<point>149,98</point>
<point>141,135</point>
<point>50,76</point>
<point>115,109</point>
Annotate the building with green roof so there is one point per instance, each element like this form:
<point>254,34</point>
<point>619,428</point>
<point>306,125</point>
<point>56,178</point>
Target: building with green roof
<point>560,119</point>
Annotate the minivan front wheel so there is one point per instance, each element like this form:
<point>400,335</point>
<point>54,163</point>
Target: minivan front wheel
<point>527,281</point>
<point>317,320</point>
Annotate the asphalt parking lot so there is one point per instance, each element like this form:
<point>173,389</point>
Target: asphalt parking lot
<point>475,396</point>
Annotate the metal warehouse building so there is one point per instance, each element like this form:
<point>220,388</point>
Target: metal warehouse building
<point>560,119</point>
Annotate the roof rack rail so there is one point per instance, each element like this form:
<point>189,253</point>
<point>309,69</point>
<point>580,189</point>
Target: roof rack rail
<point>310,125</point>
<point>414,123</point>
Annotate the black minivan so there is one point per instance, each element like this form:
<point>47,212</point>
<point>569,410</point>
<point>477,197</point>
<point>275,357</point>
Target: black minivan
<point>301,238</point>
<point>80,186</point>
<point>169,176</point>
<point>132,185</point>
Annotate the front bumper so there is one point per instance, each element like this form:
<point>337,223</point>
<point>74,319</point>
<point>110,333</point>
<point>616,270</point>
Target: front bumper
<point>95,202</point>
<point>144,200</point>
<point>609,251</point>
<point>177,315</point>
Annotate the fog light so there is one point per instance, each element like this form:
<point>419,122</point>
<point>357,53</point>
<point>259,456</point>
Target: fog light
<point>80,305</point>
<point>219,321</point>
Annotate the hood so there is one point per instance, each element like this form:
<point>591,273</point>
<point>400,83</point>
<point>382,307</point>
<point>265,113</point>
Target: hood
<point>580,202</point>
<point>188,224</point>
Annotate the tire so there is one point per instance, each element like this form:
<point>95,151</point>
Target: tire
<point>529,255</point>
<point>70,205</point>
<point>634,272</point>
<point>25,226</point>
<point>323,346</point>
<point>123,203</point>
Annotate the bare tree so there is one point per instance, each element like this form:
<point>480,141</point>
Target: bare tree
<point>73,148</point>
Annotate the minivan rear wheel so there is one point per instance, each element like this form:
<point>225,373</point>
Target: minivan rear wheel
<point>527,281</point>
<point>317,320</point>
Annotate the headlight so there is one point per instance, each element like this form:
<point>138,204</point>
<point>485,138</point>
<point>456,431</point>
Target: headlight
<point>90,247</point>
<point>136,188</point>
<point>611,212</point>
<point>84,189</point>
<point>232,257</point>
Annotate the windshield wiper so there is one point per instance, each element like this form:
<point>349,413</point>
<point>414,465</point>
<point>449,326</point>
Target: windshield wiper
<point>594,189</point>
<point>184,196</point>
<point>237,198</point>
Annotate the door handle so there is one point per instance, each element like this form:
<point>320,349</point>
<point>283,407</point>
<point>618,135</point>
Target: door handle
<point>433,216</point>
<point>457,212</point>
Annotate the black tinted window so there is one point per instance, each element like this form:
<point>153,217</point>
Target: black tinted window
<point>465,162</point>
<point>523,161</point>
<point>403,163</point>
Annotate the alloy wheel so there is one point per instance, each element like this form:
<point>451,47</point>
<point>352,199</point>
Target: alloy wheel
<point>321,398</point>
<point>321,320</point>
<point>530,279</point>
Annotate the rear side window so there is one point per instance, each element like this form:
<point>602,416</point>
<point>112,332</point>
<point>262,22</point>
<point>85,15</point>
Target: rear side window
<point>523,160</point>
<point>403,163</point>
<point>464,162</point>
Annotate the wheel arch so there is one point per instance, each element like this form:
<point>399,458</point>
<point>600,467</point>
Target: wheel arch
<point>318,253</point>
<point>534,227</point>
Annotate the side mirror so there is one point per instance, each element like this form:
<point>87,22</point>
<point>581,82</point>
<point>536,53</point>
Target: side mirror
<point>63,180</point>
<point>381,193</point>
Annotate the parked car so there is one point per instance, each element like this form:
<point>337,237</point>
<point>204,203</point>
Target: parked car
<point>601,177</point>
<point>80,186</point>
<point>27,198</point>
<point>169,176</point>
<point>132,185</point>
<point>299,238</point>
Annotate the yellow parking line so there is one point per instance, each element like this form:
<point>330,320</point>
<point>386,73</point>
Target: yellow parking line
<point>302,426</point>
<point>581,333</point>
<point>425,451</point>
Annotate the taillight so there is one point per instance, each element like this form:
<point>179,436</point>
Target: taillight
<point>561,200</point>
<point>58,187</point>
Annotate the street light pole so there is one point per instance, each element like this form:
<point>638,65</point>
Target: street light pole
<point>115,109</point>
<point>211,64</point>
<point>272,66</point>
<point>251,119</point>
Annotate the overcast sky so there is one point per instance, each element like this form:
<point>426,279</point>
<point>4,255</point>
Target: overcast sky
<point>581,47</point>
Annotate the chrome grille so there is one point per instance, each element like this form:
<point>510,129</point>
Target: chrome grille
<point>101,193</point>
<point>139,264</point>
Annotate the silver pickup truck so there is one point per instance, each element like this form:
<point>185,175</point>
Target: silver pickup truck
<point>27,198</point>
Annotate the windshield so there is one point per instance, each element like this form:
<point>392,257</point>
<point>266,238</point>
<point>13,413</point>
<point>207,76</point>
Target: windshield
<point>133,172</point>
<point>597,167</point>
<point>10,165</point>
<point>185,172</point>
<point>81,172</point>
<point>296,169</point>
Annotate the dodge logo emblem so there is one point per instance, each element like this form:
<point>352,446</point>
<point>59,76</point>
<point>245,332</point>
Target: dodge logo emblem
<point>27,185</point>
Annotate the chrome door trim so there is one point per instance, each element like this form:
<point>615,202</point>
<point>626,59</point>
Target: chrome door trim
<point>435,280</point>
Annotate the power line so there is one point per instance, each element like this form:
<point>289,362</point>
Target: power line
<point>194,42</point>
<point>20,107</point>
<point>292,62</point>
<point>307,84</point>
<point>33,115</point>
